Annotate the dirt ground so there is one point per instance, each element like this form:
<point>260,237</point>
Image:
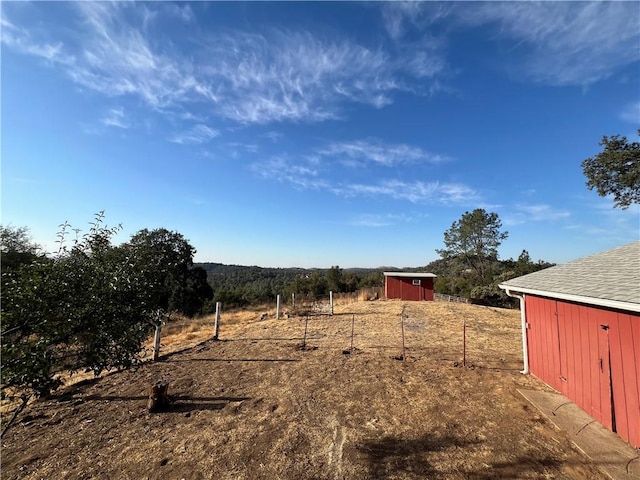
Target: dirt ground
<point>254,405</point>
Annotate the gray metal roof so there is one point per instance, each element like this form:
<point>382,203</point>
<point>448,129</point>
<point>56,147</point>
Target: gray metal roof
<point>610,278</point>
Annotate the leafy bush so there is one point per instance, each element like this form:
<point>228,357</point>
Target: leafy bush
<point>91,306</point>
<point>86,308</point>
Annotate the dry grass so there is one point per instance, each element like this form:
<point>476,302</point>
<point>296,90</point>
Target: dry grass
<point>255,406</point>
<point>181,333</point>
<point>433,329</point>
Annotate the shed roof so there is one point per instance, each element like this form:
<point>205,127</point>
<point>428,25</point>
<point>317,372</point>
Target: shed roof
<point>610,279</point>
<point>409,274</point>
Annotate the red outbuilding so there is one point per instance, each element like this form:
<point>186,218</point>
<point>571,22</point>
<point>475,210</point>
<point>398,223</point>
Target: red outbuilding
<point>409,286</point>
<point>581,334</point>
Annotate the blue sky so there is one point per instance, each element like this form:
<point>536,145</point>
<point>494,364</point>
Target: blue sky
<point>318,134</point>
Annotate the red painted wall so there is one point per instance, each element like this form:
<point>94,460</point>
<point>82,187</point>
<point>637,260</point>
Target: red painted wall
<point>403,288</point>
<point>597,368</point>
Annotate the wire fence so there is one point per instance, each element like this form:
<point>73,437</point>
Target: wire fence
<point>458,333</point>
<point>439,297</point>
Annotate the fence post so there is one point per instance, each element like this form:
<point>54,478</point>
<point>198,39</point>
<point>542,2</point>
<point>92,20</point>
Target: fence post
<point>216,327</point>
<point>464,342</point>
<point>306,324</point>
<point>156,338</point>
<point>277,307</point>
<point>353,325</point>
<point>293,300</point>
<point>404,356</point>
<point>331,301</point>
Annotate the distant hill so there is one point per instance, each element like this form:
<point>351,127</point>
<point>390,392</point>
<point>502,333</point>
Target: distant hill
<point>239,285</point>
<point>224,269</point>
<point>214,269</point>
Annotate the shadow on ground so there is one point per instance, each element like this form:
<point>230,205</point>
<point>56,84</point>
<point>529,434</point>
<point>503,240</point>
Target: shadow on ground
<point>181,403</point>
<point>391,457</point>
<point>520,467</point>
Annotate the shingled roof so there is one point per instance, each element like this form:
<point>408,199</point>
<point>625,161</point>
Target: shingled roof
<point>610,279</point>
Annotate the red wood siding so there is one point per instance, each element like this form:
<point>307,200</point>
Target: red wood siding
<point>403,288</point>
<point>592,356</point>
<point>624,342</point>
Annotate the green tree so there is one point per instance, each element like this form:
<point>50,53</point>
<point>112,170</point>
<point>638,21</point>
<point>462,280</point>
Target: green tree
<point>195,292</point>
<point>301,284</point>
<point>17,248</point>
<point>335,280</point>
<point>373,279</point>
<point>472,242</point>
<point>615,171</point>
<point>85,309</point>
<point>319,283</point>
<point>492,294</point>
<point>166,258</point>
<point>525,265</point>
<point>350,282</point>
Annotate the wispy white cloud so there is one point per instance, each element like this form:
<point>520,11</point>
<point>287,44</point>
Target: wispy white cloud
<point>414,192</point>
<point>273,136</point>
<point>606,224</point>
<point>374,151</point>
<point>604,207</point>
<point>115,118</point>
<point>542,212</point>
<point>284,170</point>
<point>408,25</point>
<point>558,43</point>
<point>396,15</point>
<point>256,77</point>
<point>400,17</point>
<point>564,43</point>
<point>306,175</point>
<point>110,54</point>
<point>631,113</point>
<point>319,170</point>
<point>116,58</point>
<point>303,176</point>
<point>247,147</point>
<point>187,115</point>
<point>374,220</point>
<point>239,150</point>
<point>182,12</point>
<point>522,214</point>
<point>196,135</point>
<point>298,76</point>
<point>20,40</point>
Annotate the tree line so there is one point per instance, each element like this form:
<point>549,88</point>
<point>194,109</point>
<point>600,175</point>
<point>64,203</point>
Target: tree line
<point>469,267</point>
<point>239,286</point>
